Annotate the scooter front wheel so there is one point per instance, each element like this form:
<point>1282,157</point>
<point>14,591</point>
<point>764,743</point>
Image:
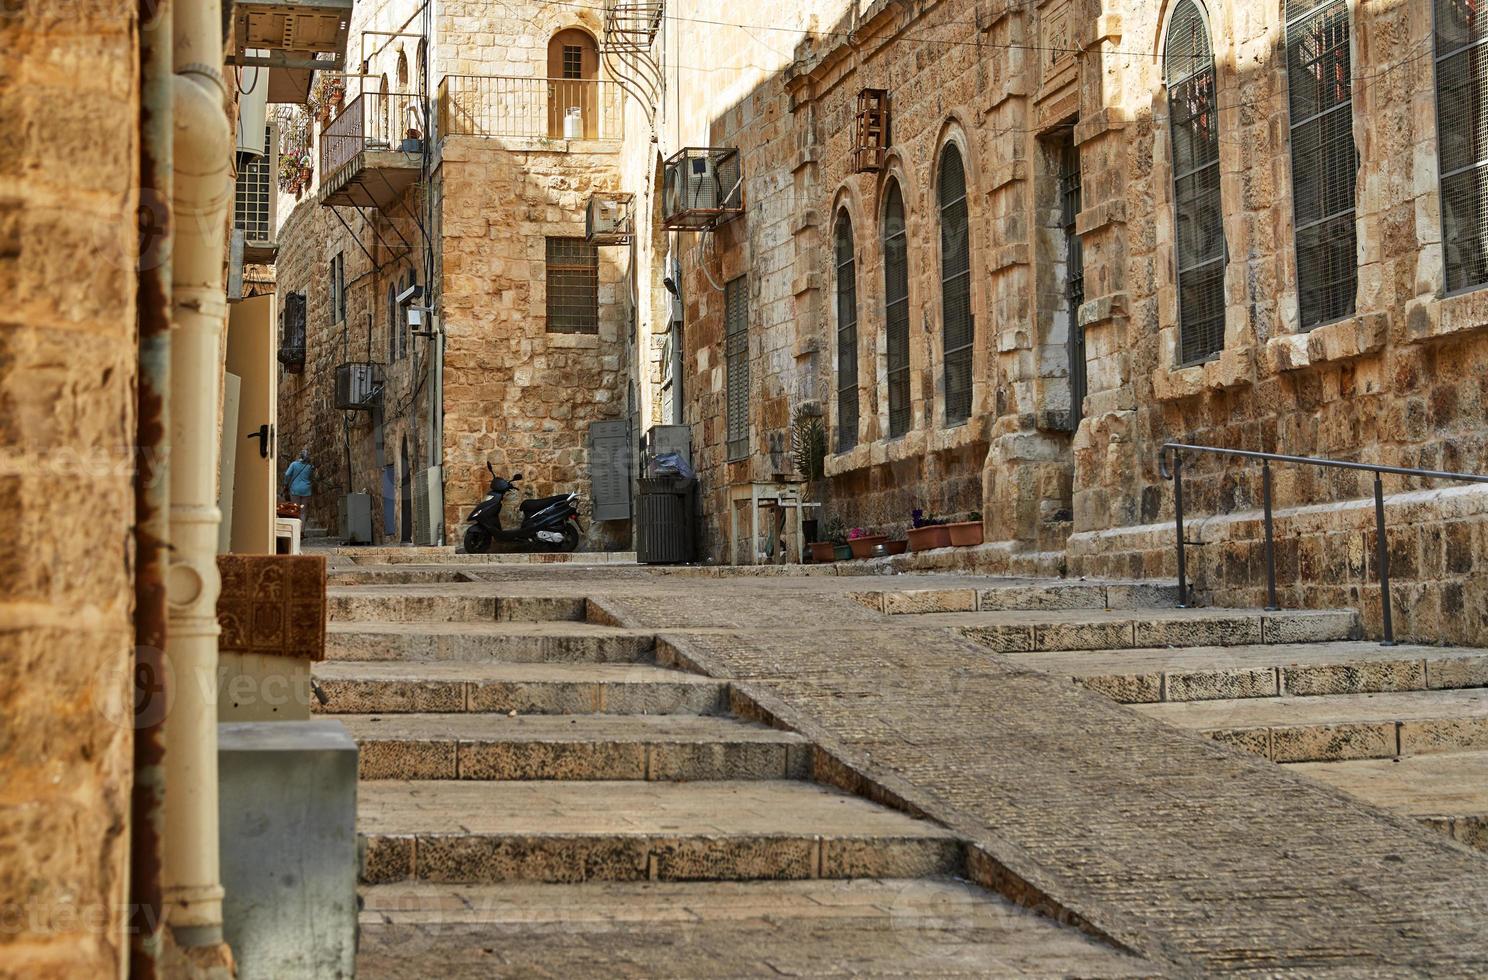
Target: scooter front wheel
<point>477,540</point>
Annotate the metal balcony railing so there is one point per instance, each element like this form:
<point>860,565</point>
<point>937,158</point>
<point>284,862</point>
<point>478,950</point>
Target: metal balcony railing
<point>1381,546</point>
<point>372,120</point>
<point>542,108</point>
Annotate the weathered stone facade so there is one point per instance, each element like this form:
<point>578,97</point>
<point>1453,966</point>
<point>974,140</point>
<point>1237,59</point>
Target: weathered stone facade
<point>69,188</point>
<point>1396,383</point>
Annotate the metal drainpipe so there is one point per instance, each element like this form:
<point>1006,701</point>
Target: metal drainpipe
<point>151,493</point>
<point>201,195</point>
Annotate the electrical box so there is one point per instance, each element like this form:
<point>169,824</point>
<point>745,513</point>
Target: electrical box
<point>355,514</point>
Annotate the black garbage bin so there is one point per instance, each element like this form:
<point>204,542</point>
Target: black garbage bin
<point>664,522</point>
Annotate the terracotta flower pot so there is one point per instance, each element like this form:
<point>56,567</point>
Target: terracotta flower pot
<point>823,551</point>
<point>965,534</point>
<point>930,536</point>
<point>863,547</point>
<point>897,547</point>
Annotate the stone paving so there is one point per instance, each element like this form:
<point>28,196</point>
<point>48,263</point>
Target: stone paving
<point>1199,858</point>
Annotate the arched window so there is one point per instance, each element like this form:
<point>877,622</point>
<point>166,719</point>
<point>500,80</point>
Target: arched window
<point>1462,139</point>
<point>896,309</point>
<point>1193,113</point>
<point>847,336</point>
<point>1325,164</point>
<point>573,73</point>
<point>385,113</point>
<point>955,287</point>
<point>401,72</point>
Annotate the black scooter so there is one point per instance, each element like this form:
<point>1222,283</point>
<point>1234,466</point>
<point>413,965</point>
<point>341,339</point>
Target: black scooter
<point>551,523</point>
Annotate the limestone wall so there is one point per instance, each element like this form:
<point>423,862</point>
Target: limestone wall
<point>69,246</point>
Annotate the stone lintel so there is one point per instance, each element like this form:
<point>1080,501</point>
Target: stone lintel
<point>1000,176</point>
<point>1234,368</point>
<point>1105,120</point>
<point>1007,257</point>
<point>1098,216</point>
<point>1102,309</point>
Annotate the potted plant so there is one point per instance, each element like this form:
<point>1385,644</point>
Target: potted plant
<point>837,535</point>
<point>862,543</point>
<point>967,533</point>
<point>927,533</point>
<point>825,550</point>
<point>897,546</point>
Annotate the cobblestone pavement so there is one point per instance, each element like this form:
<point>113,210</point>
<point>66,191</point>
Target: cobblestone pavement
<point>1198,856</point>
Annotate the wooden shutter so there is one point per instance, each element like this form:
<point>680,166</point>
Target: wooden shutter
<point>609,470</point>
<point>736,365</point>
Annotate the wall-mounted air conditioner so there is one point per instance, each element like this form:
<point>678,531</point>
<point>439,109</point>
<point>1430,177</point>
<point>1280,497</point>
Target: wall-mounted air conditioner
<point>609,219</point>
<point>428,506</point>
<point>358,385</point>
<point>703,187</point>
<point>256,199</point>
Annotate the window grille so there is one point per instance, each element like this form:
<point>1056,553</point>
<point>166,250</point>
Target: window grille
<point>1462,135</point>
<point>392,323</point>
<point>292,333</point>
<point>573,61</point>
<point>1193,111</point>
<point>338,287</point>
<point>1325,163</point>
<point>871,130</point>
<point>252,205</point>
<point>736,364</point>
<point>573,286</point>
<point>958,327</point>
<point>1074,273</point>
<point>847,336</point>
<point>896,310</point>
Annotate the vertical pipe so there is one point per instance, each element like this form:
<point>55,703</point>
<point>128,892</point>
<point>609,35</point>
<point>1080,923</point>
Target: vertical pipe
<point>201,193</point>
<point>1178,521</point>
<point>151,494</point>
<point>1382,558</point>
<point>1270,537</point>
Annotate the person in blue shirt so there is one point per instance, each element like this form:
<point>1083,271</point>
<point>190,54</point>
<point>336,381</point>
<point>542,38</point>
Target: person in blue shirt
<point>297,480</point>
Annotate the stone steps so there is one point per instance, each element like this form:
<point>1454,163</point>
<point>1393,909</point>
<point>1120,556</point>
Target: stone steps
<point>1448,791</point>
<point>1021,596</point>
<point>389,687</point>
<point>1142,676</point>
<point>935,927</point>
<point>390,604</point>
<point>1054,630</point>
<point>1341,726</point>
<point>574,747</point>
<point>487,642</point>
<point>485,832</point>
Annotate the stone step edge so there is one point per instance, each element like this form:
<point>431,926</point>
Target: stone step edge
<point>1364,738</point>
<point>1249,629</point>
<point>660,758</point>
<point>478,608</point>
<point>404,696</point>
<point>1020,598</point>
<point>1288,680</point>
<point>652,856</point>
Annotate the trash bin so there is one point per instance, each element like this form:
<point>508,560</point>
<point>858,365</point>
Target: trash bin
<point>664,520</point>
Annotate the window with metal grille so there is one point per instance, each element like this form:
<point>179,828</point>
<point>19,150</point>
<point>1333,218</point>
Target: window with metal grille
<point>1324,161</point>
<point>392,316</point>
<point>896,310</point>
<point>957,328</point>
<point>736,364</point>
<point>338,287</point>
<point>847,336</point>
<point>1462,137</point>
<point>1074,272</point>
<point>252,212</point>
<point>1193,112</point>
<point>573,286</point>
<point>573,61</point>
<point>292,332</point>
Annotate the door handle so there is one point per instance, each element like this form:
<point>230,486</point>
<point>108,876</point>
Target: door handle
<point>263,435</point>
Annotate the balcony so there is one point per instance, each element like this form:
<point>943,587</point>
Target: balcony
<point>367,156</point>
<point>549,109</point>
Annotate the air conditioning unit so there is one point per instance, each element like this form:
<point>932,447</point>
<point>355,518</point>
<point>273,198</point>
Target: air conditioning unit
<point>428,506</point>
<point>358,385</point>
<point>609,219</point>
<point>256,198</point>
<point>703,187</point>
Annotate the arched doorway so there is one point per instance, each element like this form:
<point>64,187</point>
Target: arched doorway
<point>573,81</point>
<point>407,516</point>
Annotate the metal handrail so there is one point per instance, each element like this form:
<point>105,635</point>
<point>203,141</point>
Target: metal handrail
<point>1382,554</point>
<point>529,107</point>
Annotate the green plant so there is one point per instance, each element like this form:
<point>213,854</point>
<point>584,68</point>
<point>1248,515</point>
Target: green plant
<point>975,515</point>
<point>836,531</point>
<point>809,444</point>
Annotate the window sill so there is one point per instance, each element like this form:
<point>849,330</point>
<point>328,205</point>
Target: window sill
<point>1454,316</point>
<point>1331,343</point>
<point>911,445</point>
<point>1233,368</point>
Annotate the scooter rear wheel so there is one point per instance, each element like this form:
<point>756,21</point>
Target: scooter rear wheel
<point>570,537</point>
<point>477,540</point>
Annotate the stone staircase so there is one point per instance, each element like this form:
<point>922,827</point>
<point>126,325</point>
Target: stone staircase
<point>520,760</point>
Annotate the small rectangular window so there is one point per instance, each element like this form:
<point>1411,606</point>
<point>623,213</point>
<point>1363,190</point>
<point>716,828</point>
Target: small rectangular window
<point>573,286</point>
<point>736,364</point>
<point>573,61</point>
<point>1074,272</point>
<point>338,288</point>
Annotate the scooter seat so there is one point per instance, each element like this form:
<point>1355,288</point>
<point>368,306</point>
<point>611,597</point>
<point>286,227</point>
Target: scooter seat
<point>540,503</point>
